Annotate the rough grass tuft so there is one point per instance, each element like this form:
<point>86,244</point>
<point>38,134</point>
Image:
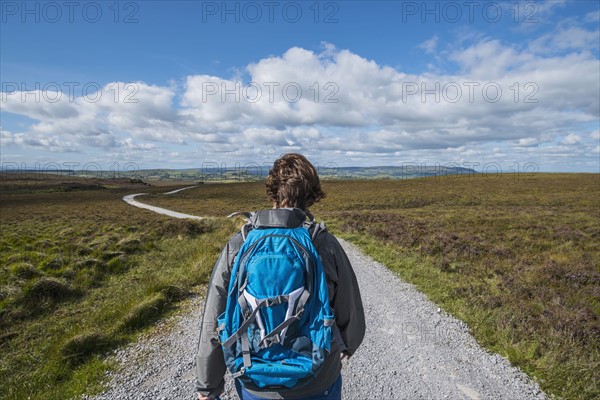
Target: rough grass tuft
<point>8,336</point>
<point>24,270</point>
<point>81,347</point>
<point>8,291</point>
<point>89,263</point>
<point>130,245</point>
<point>106,256</point>
<point>49,288</point>
<point>174,293</point>
<point>117,264</point>
<point>52,263</point>
<point>145,313</point>
<point>186,227</point>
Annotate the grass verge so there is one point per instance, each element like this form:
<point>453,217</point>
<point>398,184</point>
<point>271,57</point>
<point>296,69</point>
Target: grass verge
<point>83,273</point>
<point>518,261</point>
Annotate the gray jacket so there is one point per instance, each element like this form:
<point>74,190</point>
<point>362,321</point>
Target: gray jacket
<point>344,296</point>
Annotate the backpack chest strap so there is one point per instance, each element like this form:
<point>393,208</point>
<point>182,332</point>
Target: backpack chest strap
<point>274,336</point>
<point>277,335</point>
<point>251,316</point>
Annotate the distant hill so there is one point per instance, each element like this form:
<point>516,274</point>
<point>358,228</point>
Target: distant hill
<point>392,172</point>
<point>242,174</point>
<point>255,173</point>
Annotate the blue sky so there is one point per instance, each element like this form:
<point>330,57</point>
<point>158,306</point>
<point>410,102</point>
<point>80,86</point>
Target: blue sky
<point>495,85</point>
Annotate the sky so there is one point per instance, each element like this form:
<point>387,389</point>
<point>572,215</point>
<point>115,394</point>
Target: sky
<point>495,86</point>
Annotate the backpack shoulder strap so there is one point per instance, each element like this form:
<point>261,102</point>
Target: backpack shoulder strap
<point>313,227</point>
<point>316,228</point>
<point>249,216</point>
<point>246,214</point>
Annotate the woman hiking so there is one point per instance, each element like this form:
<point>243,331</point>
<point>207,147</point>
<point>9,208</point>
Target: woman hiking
<point>245,334</point>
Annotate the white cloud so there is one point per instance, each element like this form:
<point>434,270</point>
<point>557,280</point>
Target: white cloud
<point>129,143</point>
<point>546,8</point>
<point>570,38</point>
<point>518,99</point>
<point>593,16</point>
<point>430,45</point>
<point>39,104</point>
<point>571,139</point>
<point>528,142</point>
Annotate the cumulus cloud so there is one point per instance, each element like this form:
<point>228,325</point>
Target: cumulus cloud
<point>339,102</point>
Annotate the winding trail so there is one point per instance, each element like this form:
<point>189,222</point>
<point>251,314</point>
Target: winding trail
<point>412,350</point>
<point>130,199</point>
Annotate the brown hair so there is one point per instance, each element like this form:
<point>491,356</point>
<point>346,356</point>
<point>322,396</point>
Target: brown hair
<point>293,182</point>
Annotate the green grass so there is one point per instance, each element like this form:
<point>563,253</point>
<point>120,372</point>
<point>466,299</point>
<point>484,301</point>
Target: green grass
<point>517,260</point>
<point>514,256</point>
<point>83,273</point>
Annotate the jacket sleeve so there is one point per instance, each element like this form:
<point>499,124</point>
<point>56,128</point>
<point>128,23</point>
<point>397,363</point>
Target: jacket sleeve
<point>343,292</point>
<point>210,364</point>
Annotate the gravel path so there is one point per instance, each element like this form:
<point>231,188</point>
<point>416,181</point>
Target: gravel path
<point>130,199</point>
<point>179,190</point>
<point>411,351</point>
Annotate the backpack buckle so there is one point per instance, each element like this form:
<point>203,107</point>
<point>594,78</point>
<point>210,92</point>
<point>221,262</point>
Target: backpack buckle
<point>268,341</point>
<point>239,373</point>
<point>273,302</point>
<point>276,300</point>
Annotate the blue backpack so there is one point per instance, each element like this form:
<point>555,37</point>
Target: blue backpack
<point>277,326</point>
